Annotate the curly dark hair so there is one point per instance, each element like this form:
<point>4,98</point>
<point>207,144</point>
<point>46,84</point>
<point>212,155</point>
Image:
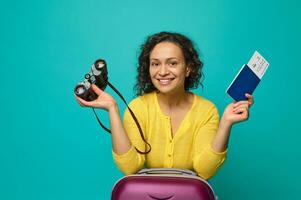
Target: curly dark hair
<point>144,83</point>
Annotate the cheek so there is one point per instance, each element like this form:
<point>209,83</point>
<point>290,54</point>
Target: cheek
<point>152,72</point>
<point>180,73</point>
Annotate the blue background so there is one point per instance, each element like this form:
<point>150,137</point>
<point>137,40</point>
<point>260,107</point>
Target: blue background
<point>51,148</point>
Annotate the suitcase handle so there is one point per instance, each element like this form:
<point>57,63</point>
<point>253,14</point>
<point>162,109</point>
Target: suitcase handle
<point>167,171</point>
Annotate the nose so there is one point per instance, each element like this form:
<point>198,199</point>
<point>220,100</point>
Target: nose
<point>163,71</point>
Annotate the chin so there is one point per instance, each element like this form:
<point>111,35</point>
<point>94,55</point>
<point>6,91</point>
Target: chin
<point>167,90</point>
<point>163,89</point>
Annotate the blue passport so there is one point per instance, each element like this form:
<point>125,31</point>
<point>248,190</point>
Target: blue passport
<point>248,77</point>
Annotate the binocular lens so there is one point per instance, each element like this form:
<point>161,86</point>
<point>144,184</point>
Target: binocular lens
<point>87,76</point>
<point>99,65</point>
<point>80,89</point>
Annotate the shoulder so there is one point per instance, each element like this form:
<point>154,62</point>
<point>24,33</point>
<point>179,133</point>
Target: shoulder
<point>143,100</point>
<point>203,103</point>
<point>141,104</point>
<point>204,109</point>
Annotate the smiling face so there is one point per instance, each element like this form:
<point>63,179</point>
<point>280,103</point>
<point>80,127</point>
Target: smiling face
<point>167,68</point>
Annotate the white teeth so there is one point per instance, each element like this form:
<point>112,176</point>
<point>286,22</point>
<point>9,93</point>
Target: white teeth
<point>164,81</point>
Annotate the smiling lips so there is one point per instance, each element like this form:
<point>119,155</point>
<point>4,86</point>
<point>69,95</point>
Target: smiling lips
<point>165,81</point>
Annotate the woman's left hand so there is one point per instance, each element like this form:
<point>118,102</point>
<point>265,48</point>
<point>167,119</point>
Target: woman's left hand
<point>237,111</point>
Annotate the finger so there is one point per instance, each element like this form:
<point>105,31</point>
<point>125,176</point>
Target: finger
<point>96,89</point>
<point>250,99</point>
<point>239,103</point>
<point>76,98</point>
<point>78,101</point>
<point>81,105</point>
<point>240,110</point>
<point>243,105</point>
<point>244,115</point>
<point>83,102</point>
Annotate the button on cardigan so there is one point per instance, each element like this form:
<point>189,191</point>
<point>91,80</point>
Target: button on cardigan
<point>190,148</point>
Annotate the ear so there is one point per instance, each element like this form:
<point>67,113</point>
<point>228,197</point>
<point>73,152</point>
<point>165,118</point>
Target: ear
<point>188,70</point>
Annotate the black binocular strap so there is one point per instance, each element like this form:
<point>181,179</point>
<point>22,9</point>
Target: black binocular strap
<point>101,124</point>
<point>134,117</point>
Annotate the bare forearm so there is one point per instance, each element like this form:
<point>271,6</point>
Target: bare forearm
<point>120,141</point>
<point>221,139</point>
<point>234,113</point>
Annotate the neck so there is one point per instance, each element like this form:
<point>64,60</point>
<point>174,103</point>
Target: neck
<point>174,99</point>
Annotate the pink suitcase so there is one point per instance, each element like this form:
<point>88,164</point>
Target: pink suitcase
<point>162,184</point>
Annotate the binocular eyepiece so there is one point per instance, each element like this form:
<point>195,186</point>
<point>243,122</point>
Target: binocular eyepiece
<point>98,76</point>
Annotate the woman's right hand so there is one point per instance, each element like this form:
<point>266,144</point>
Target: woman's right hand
<point>103,101</point>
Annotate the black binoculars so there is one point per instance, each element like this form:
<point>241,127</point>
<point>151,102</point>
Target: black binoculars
<point>98,76</point>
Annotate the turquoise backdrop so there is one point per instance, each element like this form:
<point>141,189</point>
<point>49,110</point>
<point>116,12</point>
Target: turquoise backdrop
<point>52,149</point>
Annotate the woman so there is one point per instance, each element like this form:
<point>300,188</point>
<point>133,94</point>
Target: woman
<point>183,129</point>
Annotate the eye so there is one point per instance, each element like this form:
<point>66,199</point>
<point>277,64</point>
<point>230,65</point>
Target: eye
<point>154,64</point>
<point>173,63</point>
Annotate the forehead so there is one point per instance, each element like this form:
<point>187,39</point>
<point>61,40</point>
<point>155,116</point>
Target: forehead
<point>165,50</point>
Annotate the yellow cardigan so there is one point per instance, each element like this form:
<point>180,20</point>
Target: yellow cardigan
<point>190,148</point>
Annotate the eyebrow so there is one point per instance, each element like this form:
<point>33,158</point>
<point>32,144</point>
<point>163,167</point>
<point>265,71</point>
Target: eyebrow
<point>166,59</point>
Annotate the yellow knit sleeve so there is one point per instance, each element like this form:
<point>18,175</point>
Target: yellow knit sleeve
<point>132,161</point>
<point>206,161</point>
